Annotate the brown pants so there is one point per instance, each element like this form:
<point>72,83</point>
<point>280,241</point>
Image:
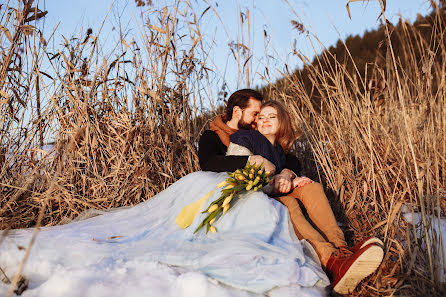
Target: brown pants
<point>316,203</point>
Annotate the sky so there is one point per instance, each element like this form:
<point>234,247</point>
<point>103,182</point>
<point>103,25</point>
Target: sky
<point>326,22</point>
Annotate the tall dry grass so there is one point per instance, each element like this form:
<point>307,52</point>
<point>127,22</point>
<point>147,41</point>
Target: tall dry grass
<point>125,127</point>
<point>380,145</point>
<point>122,128</point>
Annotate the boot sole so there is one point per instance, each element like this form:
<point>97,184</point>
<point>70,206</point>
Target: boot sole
<point>365,264</point>
<point>374,240</point>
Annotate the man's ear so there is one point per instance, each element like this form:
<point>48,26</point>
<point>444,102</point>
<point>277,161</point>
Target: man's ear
<point>237,112</point>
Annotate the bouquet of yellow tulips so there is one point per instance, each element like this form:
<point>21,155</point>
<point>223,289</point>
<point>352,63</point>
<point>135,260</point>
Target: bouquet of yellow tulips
<point>250,178</point>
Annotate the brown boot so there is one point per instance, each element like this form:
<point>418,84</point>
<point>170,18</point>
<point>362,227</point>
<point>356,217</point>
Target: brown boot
<point>347,268</point>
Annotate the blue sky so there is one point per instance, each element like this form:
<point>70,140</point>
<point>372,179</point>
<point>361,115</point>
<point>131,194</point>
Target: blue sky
<point>328,20</point>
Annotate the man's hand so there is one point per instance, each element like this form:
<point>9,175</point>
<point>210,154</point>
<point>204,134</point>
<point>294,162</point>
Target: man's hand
<point>258,160</point>
<point>282,184</point>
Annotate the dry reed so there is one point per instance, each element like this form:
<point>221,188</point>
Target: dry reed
<point>122,129</point>
<point>126,127</point>
<point>379,141</point>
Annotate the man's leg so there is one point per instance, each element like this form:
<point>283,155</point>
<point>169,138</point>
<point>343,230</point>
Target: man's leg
<point>304,230</point>
<point>319,210</point>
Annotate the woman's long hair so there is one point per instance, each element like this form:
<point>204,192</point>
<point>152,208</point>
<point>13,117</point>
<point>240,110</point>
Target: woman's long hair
<point>285,135</point>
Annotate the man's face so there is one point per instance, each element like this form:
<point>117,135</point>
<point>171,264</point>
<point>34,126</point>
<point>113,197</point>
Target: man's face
<point>249,115</point>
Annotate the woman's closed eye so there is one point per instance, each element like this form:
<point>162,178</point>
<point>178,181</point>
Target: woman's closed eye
<point>267,117</point>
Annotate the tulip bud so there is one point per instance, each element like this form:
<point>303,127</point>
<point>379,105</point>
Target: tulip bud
<point>213,208</point>
<point>225,208</point>
<point>260,171</point>
<point>212,221</point>
<point>248,187</point>
<point>213,230</point>
<point>227,200</point>
<point>230,186</point>
<point>251,175</point>
<point>267,172</point>
<point>252,170</point>
<point>255,189</point>
<point>256,181</point>
<point>240,177</point>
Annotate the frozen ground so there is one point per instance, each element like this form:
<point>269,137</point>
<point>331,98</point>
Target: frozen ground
<point>437,229</point>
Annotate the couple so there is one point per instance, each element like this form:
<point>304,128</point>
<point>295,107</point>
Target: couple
<point>231,142</point>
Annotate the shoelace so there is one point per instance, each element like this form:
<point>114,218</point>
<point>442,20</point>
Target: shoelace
<point>342,252</point>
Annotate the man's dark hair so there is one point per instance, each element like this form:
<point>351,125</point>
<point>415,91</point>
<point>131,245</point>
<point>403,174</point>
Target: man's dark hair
<point>241,98</point>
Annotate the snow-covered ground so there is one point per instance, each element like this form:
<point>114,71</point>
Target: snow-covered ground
<point>140,251</point>
<point>436,231</point>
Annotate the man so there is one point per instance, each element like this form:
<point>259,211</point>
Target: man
<point>346,267</point>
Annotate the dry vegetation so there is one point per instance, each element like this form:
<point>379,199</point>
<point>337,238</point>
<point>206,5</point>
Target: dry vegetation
<point>123,128</point>
<point>380,145</point>
<point>126,127</point>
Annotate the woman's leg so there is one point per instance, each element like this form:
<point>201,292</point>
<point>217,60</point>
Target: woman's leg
<point>319,210</point>
<point>304,230</point>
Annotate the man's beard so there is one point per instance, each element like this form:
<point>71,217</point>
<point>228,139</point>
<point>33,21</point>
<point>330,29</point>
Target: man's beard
<point>244,125</point>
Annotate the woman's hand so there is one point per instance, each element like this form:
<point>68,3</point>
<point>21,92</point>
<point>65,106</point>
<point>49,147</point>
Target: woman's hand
<point>282,184</point>
<point>301,181</point>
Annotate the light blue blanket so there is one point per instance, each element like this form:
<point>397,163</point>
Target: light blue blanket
<point>255,248</point>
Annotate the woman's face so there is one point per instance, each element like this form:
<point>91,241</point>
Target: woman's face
<point>268,123</point>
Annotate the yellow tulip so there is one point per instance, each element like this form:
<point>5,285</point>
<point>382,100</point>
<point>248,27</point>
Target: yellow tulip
<point>240,177</point>
<point>260,171</point>
<point>255,189</point>
<point>212,221</point>
<point>213,208</point>
<point>227,200</point>
<point>225,208</point>
<point>251,175</point>
<point>213,230</point>
<point>248,187</point>
<point>230,186</point>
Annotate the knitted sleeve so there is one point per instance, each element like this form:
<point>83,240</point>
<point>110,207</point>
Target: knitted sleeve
<point>244,138</point>
<point>237,150</point>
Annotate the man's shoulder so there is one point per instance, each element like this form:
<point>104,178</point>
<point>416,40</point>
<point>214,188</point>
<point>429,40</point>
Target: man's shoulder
<point>210,137</point>
<point>209,134</point>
